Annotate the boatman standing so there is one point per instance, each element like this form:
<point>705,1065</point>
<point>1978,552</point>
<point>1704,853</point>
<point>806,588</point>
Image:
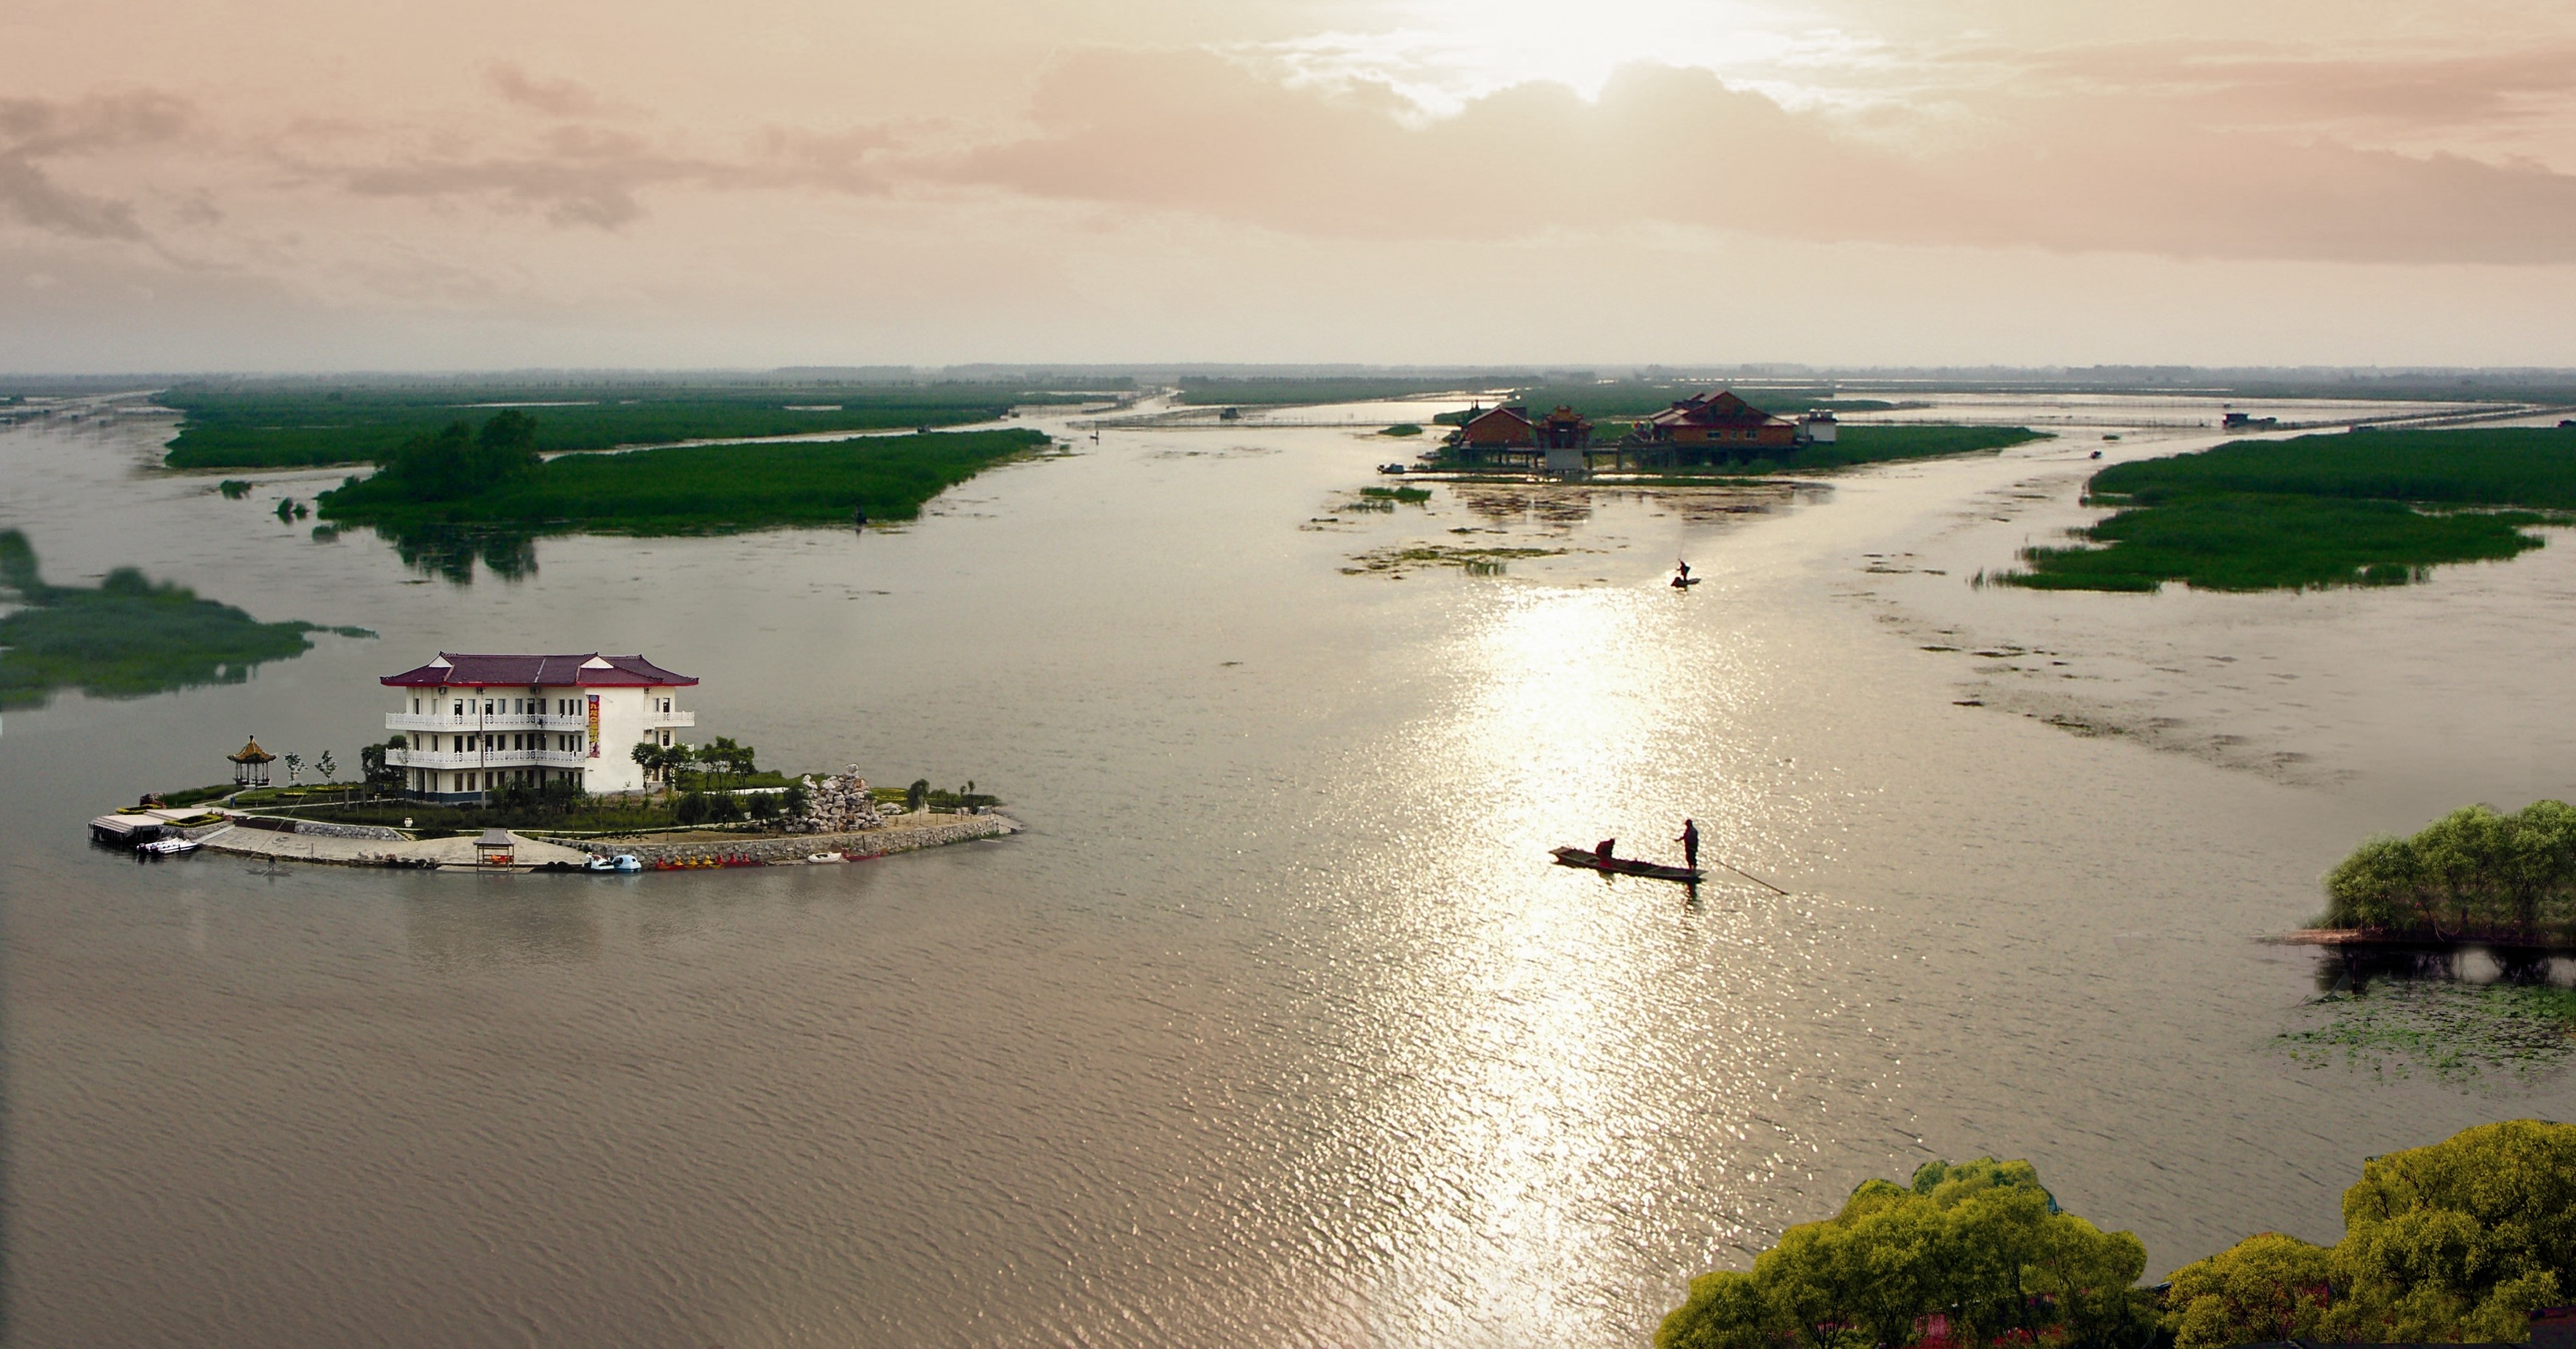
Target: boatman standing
<point>1690,844</point>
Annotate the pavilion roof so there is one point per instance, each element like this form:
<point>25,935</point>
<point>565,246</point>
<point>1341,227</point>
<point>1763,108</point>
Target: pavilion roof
<point>252,753</point>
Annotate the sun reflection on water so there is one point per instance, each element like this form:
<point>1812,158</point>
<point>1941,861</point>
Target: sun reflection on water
<point>1535,1100</point>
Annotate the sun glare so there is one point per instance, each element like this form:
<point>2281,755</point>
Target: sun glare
<point>1442,53</point>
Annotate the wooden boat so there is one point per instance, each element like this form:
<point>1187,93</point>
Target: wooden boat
<point>1586,859</point>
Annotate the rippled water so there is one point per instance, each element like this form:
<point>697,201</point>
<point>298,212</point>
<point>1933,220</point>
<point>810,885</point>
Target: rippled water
<point>1277,1027</point>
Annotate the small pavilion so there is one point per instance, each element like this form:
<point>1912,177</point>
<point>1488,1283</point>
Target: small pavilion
<point>250,766</point>
<point>495,849</point>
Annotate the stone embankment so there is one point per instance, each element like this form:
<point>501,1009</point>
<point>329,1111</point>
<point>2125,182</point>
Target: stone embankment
<point>904,833</point>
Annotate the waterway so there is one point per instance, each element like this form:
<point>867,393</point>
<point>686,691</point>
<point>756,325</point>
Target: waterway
<point>1276,1027</point>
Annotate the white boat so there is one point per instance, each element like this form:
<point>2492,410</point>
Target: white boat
<point>167,847</point>
<point>825,857</point>
<point>625,861</point>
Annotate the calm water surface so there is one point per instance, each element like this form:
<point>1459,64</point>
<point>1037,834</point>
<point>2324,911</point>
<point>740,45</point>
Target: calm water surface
<point>1276,1028</point>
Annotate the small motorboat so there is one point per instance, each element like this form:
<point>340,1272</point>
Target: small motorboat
<point>167,847</point>
<point>1624,866</point>
<point>825,857</point>
<point>625,861</point>
<point>1685,582</point>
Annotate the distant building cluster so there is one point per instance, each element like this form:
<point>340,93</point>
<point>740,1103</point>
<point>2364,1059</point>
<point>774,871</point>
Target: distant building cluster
<point>1704,430</point>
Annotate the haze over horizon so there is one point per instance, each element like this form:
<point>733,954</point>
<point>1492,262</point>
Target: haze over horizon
<point>285,185</point>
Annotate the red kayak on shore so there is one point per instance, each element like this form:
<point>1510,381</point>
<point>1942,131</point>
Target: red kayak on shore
<point>1591,861</point>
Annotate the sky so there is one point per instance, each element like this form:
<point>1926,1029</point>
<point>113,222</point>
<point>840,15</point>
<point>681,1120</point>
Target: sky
<point>295,185</point>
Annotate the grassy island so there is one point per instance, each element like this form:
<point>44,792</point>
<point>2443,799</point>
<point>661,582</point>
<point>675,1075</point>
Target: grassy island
<point>2369,508</point>
<point>126,638</point>
<point>2476,873</point>
<point>494,478</point>
<point>289,424</point>
<point>2456,1242</point>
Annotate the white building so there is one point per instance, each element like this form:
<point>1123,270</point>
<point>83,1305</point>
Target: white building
<point>1818,428</point>
<point>474,724</point>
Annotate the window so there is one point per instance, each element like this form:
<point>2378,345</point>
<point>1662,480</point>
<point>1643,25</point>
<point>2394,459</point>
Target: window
<point>415,707</point>
<point>460,707</point>
<point>487,707</point>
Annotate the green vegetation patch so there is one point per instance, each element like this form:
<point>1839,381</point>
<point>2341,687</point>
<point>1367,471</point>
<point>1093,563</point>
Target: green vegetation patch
<point>2456,1032</point>
<point>299,424</point>
<point>1982,1244</point>
<point>494,478</point>
<point>1397,493</point>
<point>1403,429</point>
<point>127,638</point>
<point>2475,874</point>
<point>2244,543</point>
<point>2454,1243</point>
<point>1473,561</point>
<point>2370,508</point>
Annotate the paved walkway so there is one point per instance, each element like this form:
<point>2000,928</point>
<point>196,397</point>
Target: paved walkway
<point>458,851</point>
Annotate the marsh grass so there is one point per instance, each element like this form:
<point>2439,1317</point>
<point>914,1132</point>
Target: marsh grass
<point>294,424</point>
<point>128,637</point>
<point>689,489</point>
<point>2369,509</point>
<point>1472,561</point>
<point>2455,1032</point>
<point>1396,493</point>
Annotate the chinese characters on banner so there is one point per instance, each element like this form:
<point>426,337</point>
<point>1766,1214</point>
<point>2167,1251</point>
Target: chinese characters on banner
<point>594,725</point>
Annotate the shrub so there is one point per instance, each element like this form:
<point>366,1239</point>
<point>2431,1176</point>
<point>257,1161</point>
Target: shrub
<point>692,808</point>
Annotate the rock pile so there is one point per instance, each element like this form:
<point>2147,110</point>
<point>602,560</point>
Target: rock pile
<point>837,805</point>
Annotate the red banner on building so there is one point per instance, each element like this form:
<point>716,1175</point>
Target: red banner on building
<point>594,725</point>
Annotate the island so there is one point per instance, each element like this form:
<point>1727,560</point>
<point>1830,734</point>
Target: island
<point>2367,507</point>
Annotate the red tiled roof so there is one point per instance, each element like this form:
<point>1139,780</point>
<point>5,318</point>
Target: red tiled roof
<point>451,670</point>
<point>1724,409</point>
<point>1514,411</point>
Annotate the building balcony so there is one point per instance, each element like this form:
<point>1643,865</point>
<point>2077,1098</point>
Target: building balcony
<point>443,722</point>
<point>453,760</point>
<point>476,721</point>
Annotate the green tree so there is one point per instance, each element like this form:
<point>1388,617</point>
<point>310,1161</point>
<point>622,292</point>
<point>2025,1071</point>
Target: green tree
<point>2463,1239</point>
<point>380,775</point>
<point>324,765</point>
<point>692,808</point>
<point>917,796</point>
<point>2263,1289</point>
<point>1981,1243</point>
<point>647,756</point>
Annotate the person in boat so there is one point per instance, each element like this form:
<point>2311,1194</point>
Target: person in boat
<point>1684,568</point>
<point>1690,844</point>
<point>1601,851</point>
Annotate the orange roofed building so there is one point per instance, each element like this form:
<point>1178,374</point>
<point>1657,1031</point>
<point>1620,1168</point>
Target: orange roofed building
<point>1714,426</point>
<point>1510,435</point>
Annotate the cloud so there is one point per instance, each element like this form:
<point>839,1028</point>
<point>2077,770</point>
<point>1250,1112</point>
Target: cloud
<point>33,130</point>
<point>589,176</point>
<point>555,98</point>
<point>2102,165</point>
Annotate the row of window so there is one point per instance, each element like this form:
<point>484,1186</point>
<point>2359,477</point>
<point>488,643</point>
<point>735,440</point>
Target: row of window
<point>563,707</point>
<point>460,744</point>
<point>486,781</point>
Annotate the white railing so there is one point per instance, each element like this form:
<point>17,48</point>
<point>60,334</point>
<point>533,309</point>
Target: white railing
<point>486,758</point>
<point>518,721</point>
<point>477,721</point>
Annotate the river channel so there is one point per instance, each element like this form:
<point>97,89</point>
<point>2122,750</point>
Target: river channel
<point>1276,1027</point>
